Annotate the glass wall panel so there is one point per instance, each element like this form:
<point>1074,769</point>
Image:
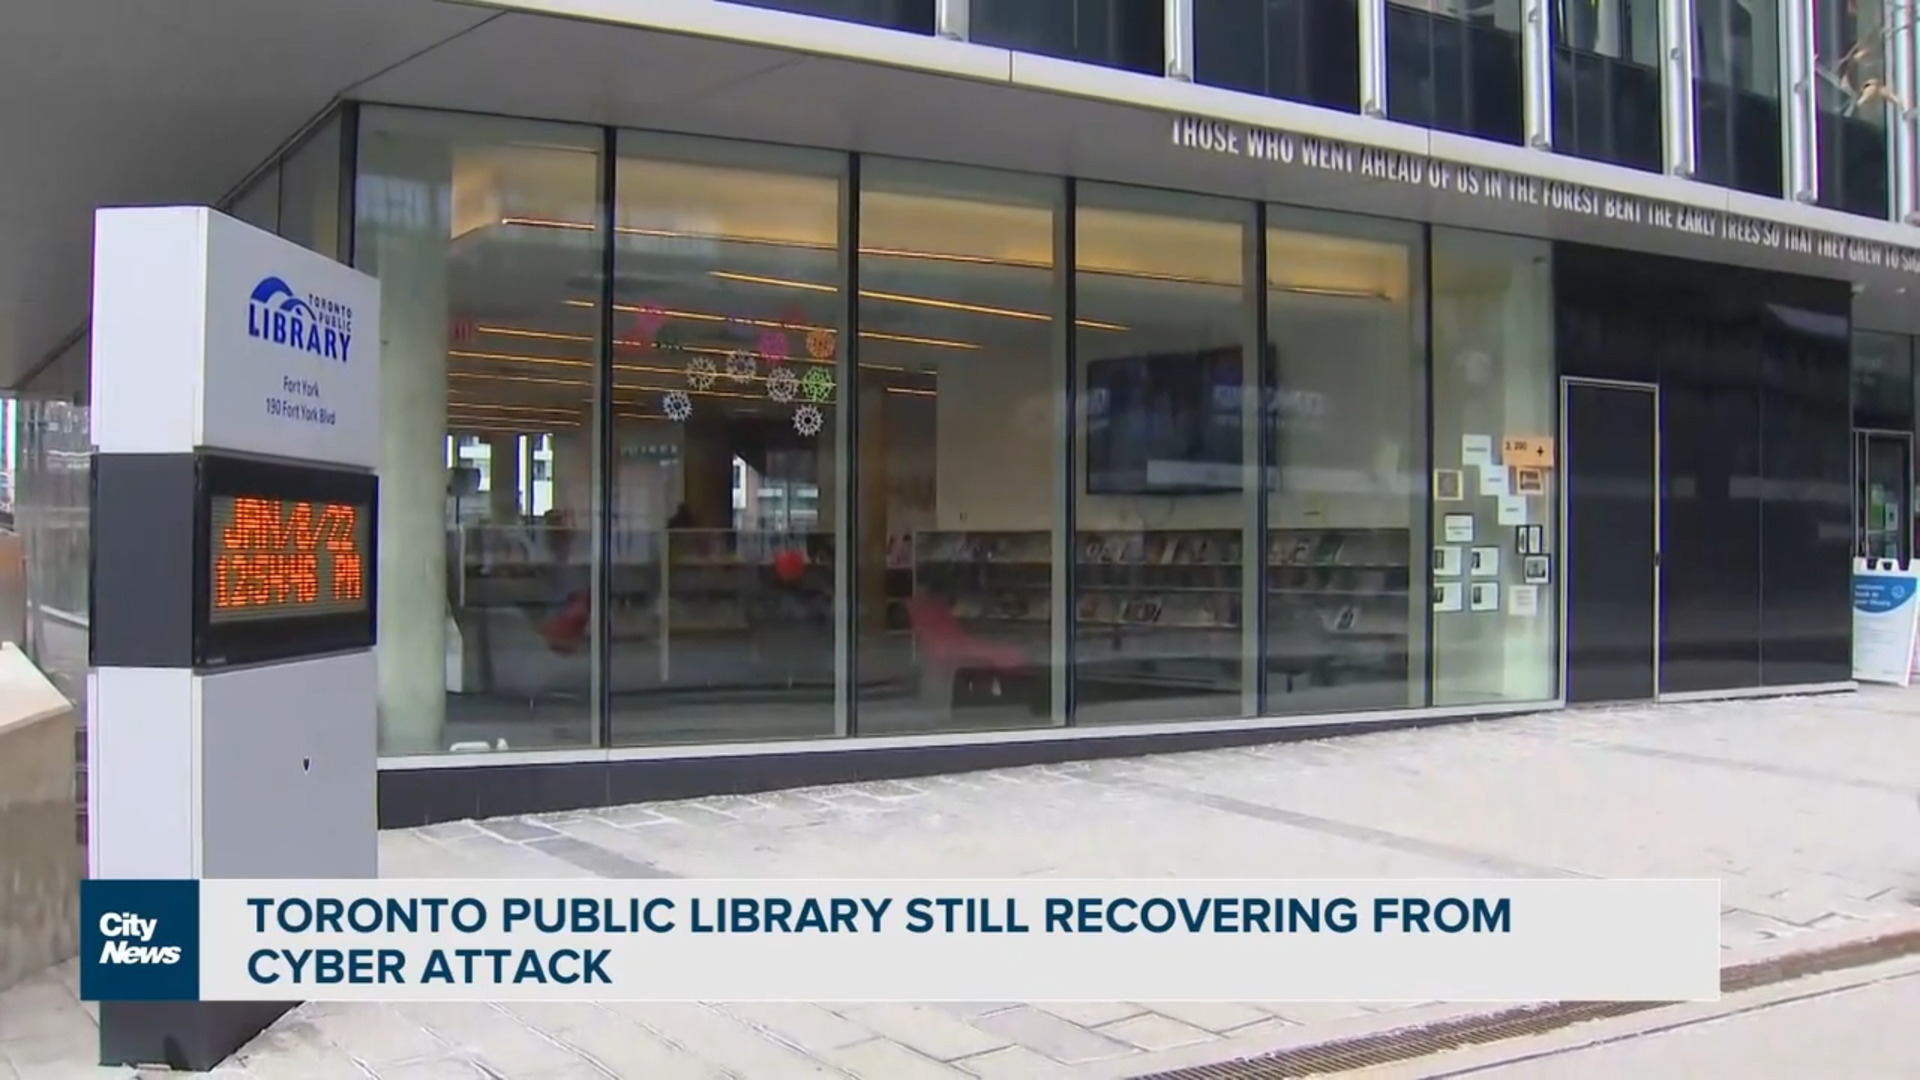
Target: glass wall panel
<point>1883,384</point>
<point>728,311</point>
<point>1493,380</point>
<point>258,204</point>
<point>957,448</point>
<point>1704,324</point>
<point>1455,65</point>
<point>1853,42</point>
<point>1606,81</point>
<point>1160,486</point>
<point>1299,50</point>
<point>1737,93</point>
<point>485,236</point>
<point>913,15</point>
<point>1806,527</point>
<point>1345,408</point>
<point>310,191</point>
<point>1127,34</point>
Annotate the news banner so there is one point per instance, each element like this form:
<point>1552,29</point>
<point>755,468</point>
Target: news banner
<point>858,940</point>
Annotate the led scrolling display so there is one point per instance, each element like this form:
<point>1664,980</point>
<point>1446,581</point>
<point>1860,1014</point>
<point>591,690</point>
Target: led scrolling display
<point>274,558</point>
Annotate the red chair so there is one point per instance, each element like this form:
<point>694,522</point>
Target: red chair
<point>982,672</point>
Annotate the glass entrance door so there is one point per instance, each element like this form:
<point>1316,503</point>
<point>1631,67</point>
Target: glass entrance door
<point>1883,494</point>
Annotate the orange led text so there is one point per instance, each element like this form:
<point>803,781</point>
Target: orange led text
<point>279,553</point>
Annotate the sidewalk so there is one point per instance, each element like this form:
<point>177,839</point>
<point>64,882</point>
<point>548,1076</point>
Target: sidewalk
<point>1805,808</point>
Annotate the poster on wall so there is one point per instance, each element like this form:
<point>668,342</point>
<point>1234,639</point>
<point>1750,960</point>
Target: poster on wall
<point>1886,614</point>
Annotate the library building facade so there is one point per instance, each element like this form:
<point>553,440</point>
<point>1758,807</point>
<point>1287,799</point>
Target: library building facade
<point>802,392</point>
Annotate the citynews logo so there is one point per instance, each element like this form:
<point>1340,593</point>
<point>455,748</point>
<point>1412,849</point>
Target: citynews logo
<point>129,938</point>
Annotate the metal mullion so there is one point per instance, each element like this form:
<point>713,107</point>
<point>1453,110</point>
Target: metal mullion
<point>1373,56</point>
<point>846,445</point>
<point>1179,39</point>
<point>1061,635</point>
<point>1536,66</point>
<point>1679,110</point>
<point>1254,442</point>
<point>1901,141</point>
<point>1799,115</point>
<point>605,458</point>
<point>953,19</point>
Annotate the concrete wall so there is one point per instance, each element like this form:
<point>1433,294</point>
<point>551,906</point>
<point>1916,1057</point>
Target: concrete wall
<point>40,855</point>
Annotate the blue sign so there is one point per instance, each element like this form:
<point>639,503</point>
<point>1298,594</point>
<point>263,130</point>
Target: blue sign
<point>140,940</point>
<point>1878,594</point>
<point>309,324</point>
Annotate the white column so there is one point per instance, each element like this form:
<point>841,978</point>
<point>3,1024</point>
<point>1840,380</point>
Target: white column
<point>1536,49</point>
<point>410,259</point>
<point>1676,86</point>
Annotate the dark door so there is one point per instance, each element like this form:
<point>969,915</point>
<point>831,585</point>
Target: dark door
<point>1609,434</point>
<point>1882,462</point>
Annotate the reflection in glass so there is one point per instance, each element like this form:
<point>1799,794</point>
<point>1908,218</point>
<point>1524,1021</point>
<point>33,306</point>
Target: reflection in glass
<point>1883,383</point>
<point>1160,493</point>
<point>488,476</point>
<point>1297,50</point>
<point>310,191</point>
<point>1852,40</point>
<point>1345,578</point>
<point>1455,66</point>
<point>1737,94</point>
<point>1126,34</point>
<point>258,204</point>
<point>1606,81</point>
<point>954,556</point>
<point>912,15</point>
<point>1806,619</point>
<point>1493,379</point>
<point>726,328</point>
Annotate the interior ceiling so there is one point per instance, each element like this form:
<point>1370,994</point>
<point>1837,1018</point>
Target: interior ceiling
<point>157,101</point>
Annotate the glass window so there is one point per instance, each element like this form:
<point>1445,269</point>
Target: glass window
<point>484,234</point>
<point>1128,34</point>
<point>1454,65</point>
<point>1883,383</point>
<point>1345,416</point>
<point>1606,74</point>
<point>726,403</point>
<point>310,191</point>
<point>1737,93</point>
<point>914,15</point>
<point>258,204</point>
<point>1853,41</point>
<point>1299,50</point>
<point>958,404</point>
<point>1162,500</point>
<point>1493,381</point>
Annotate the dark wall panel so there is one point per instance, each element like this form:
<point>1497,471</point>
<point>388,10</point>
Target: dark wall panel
<point>1806,615</point>
<point>1753,376</point>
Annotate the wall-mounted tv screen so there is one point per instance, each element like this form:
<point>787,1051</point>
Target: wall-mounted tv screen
<point>1164,424</point>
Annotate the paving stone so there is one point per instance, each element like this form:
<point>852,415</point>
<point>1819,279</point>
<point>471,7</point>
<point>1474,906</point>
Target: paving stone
<point>1012,1063</point>
<point>808,1027</point>
<point>1091,1013</point>
<point>1051,1036</point>
<point>926,1030</point>
<point>883,1059</point>
<point>1152,1031</point>
<point>712,1036</point>
<point>1217,1017</point>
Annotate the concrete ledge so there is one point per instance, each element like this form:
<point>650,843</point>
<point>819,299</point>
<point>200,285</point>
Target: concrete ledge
<point>40,859</point>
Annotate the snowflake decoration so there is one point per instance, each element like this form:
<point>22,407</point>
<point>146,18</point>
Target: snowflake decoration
<point>678,406</point>
<point>782,384</point>
<point>741,366</point>
<point>701,373</point>
<point>772,345</point>
<point>820,343</point>
<point>817,384</point>
<point>807,420</point>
